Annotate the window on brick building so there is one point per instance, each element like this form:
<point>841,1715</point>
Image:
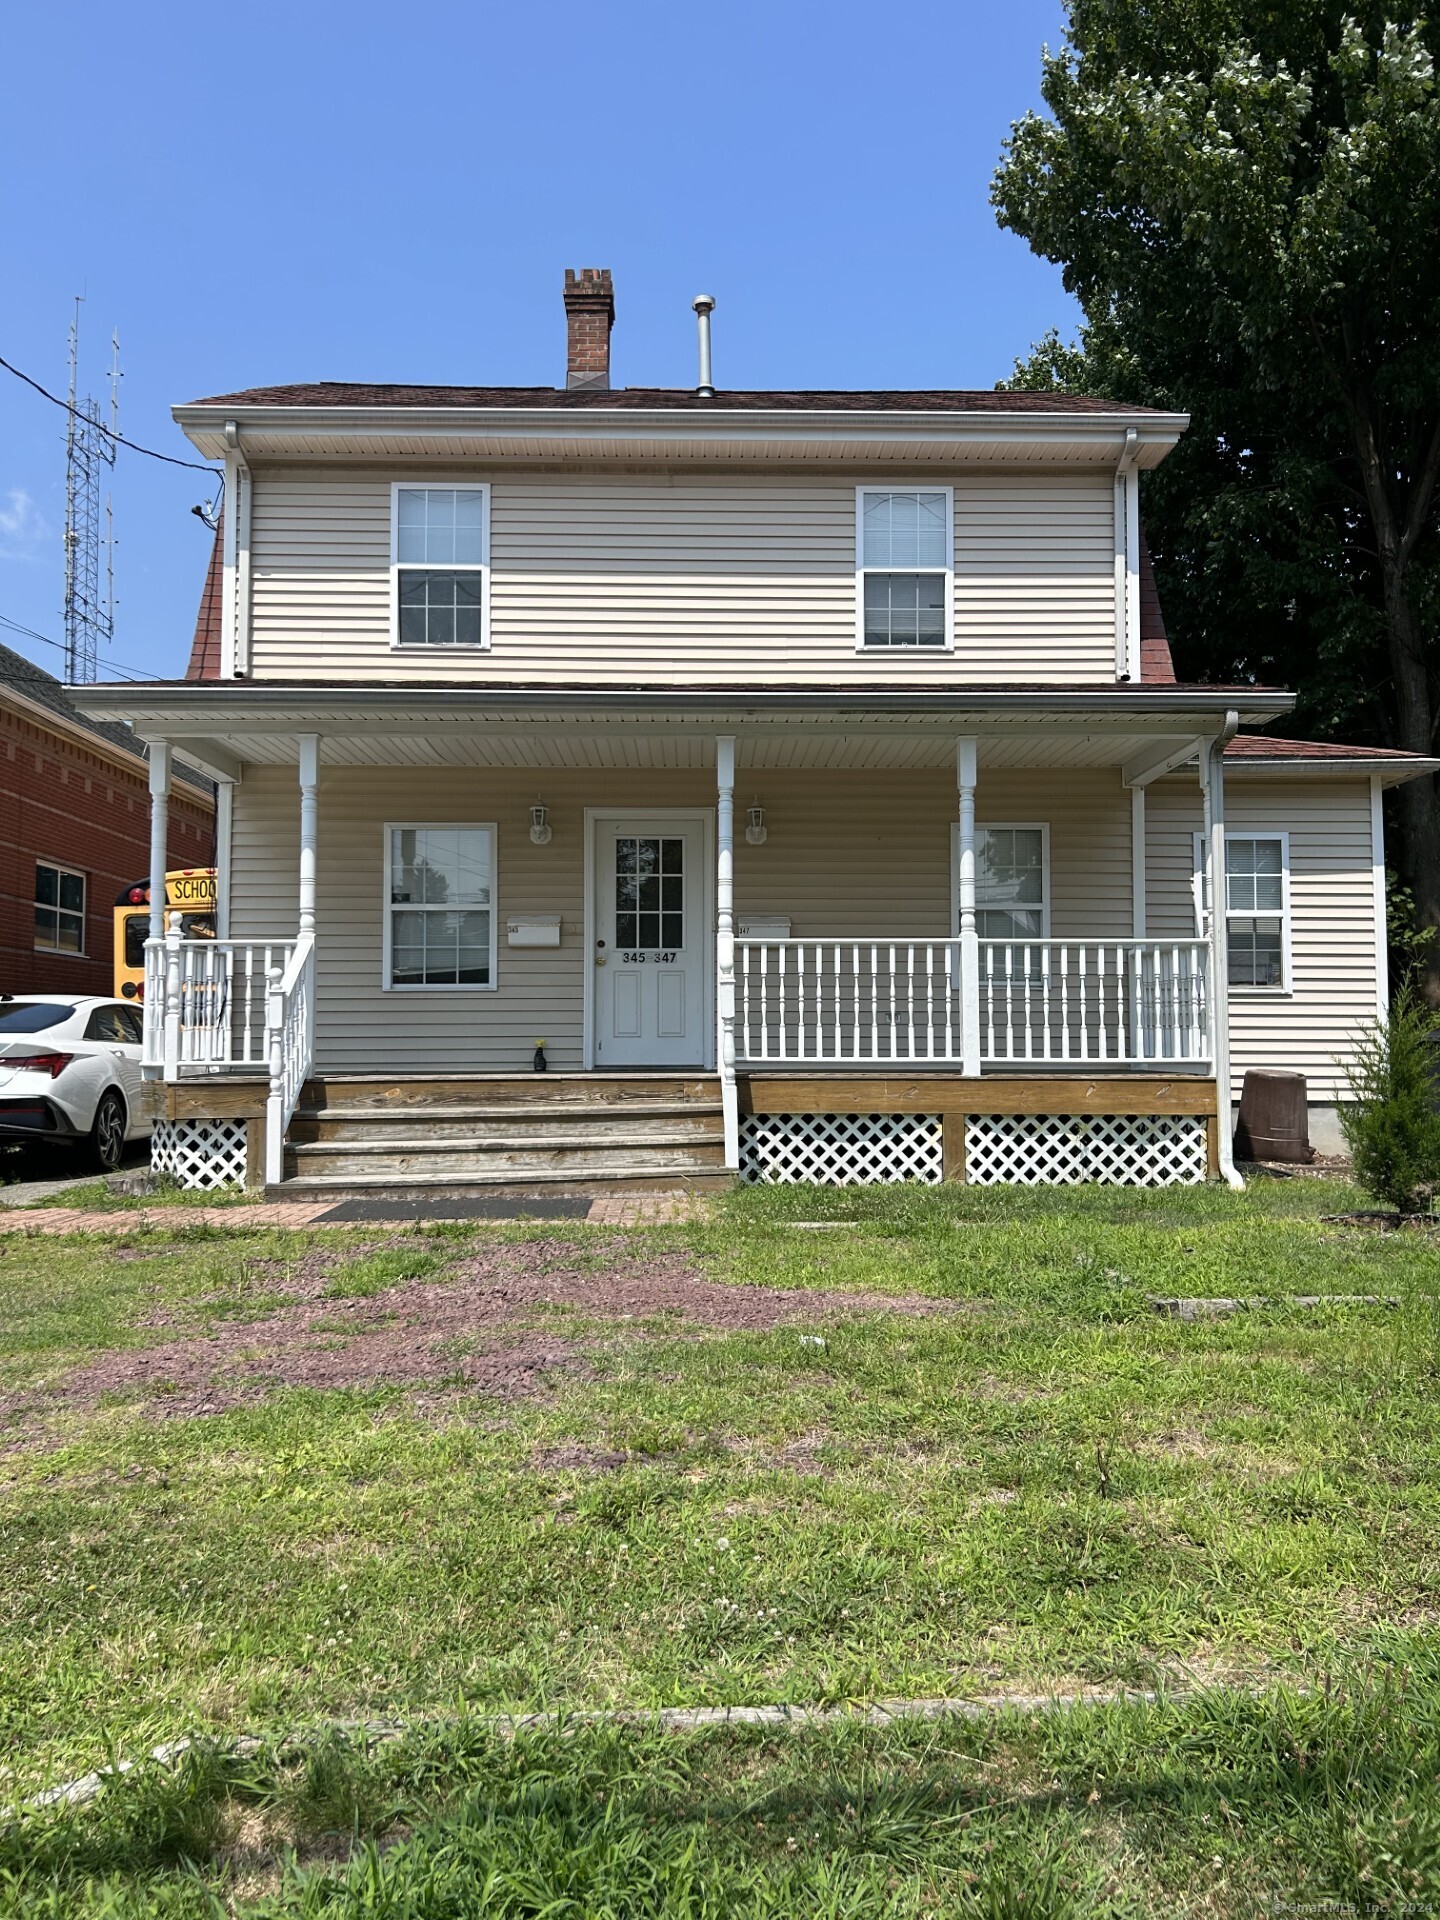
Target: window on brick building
<point>59,909</point>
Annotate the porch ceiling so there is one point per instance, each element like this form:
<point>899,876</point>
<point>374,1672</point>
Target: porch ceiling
<point>545,745</point>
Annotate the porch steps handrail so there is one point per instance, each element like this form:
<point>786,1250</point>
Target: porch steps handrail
<point>850,1001</point>
<point>290,1046</point>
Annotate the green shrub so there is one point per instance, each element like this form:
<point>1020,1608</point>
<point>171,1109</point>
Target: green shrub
<point>1391,1125</point>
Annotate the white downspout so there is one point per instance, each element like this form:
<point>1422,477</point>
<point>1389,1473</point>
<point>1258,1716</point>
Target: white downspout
<point>235,644</point>
<point>725,942</point>
<point>1127,560</point>
<point>1212,778</point>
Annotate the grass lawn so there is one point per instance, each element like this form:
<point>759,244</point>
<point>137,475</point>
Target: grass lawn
<point>251,1481</point>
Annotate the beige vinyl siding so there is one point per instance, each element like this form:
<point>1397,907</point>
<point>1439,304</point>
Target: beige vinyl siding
<point>683,579</point>
<point>1334,977</point>
<point>863,855</point>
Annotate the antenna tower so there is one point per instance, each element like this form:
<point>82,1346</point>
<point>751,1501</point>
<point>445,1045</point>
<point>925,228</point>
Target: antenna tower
<point>89,526</point>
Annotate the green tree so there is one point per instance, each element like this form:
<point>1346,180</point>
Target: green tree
<point>1242,196</point>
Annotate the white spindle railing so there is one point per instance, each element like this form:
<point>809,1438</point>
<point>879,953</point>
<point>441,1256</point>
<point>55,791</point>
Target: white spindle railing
<point>838,1002</point>
<point>1126,1002</point>
<point>849,1002</point>
<point>290,1035</point>
<point>205,1003</point>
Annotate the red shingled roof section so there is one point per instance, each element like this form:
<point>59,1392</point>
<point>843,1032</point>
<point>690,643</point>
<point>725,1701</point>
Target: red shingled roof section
<point>205,647</point>
<point>1260,746</point>
<point>339,393</point>
<point>1157,669</point>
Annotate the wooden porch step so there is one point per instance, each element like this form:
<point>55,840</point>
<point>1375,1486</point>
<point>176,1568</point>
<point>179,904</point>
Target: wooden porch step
<point>570,1091</point>
<point>462,1121</point>
<point>515,1155</point>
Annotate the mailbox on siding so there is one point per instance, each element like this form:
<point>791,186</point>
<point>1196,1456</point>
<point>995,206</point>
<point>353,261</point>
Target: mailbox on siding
<point>532,930</point>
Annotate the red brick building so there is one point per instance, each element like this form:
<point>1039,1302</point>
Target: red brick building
<point>75,829</point>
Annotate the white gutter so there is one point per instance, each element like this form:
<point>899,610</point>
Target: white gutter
<point>1212,788</point>
<point>1127,559</point>
<point>1155,433</point>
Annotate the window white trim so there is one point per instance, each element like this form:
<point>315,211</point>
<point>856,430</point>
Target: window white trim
<point>388,907</point>
<point>482,566</point>
<point>1286,986</point>
<point>861,569</point>
<point>1042,827</point>
<point>38,906</point>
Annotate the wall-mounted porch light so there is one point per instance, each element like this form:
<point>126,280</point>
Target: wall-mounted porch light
<point>540,828</point>
<point>756,832</point>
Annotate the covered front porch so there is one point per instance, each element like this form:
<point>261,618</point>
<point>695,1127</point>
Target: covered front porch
<point>825,905</point>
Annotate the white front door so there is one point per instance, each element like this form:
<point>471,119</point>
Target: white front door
<point>653,940</point>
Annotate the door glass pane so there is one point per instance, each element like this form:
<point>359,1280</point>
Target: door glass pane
<point>649,893</point>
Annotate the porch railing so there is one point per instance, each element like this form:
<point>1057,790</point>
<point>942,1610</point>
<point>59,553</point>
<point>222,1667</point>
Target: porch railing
<point>290,1034</point>
<point>205,1003</point>
<point>239,1006</point>
<point>858,1002</point>
<point>1127,1002</point>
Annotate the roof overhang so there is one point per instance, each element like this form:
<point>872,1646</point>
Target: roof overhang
<point>544,435</point>
<point>670,727</point>
<point>1392,770</point>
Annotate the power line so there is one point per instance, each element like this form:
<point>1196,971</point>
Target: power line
<point>134,676</point>
<point>195,466</point>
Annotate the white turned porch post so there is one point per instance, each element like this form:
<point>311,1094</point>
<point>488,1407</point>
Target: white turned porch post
<point>165,1015</point>
<point>966,764</point>
<point>309,823</point>
<point>725,941</point>
<point>1212,777</point>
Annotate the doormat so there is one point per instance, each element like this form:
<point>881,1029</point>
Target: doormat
<point>479,1206</point>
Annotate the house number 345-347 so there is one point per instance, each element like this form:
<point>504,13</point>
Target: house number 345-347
<point>640,959</point>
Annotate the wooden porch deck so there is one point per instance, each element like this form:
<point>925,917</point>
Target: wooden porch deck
<point>594,1132</point>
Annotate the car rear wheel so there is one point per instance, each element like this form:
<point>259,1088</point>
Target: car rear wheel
<point>107,1131</point>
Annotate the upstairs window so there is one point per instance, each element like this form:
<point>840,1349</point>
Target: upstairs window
<point>1257,907</point>
<point>905,567</point>
<point>440,564</point>
<point>59,909</point>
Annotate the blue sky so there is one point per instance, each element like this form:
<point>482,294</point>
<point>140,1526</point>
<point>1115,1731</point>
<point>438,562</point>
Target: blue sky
<point>320,192</point>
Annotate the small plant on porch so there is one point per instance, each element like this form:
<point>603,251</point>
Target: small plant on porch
<point>1392,1125</point>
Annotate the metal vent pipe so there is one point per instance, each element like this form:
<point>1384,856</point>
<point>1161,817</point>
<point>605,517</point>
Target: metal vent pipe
<point>704,305</point>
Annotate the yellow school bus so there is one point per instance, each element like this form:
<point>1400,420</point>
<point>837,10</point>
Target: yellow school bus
<point>189,909</point>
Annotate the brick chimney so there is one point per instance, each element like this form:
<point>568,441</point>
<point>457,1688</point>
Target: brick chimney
<point>589,316</point>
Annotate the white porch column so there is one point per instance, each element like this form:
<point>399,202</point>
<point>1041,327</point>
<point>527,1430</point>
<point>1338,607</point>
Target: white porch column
<point>162,1014</point>
<point>1212,777</point>
<point>224,845</point>
<point>725,941</point>
<point>966,764</point>
<point>309,823</point>
<point>159,833</point>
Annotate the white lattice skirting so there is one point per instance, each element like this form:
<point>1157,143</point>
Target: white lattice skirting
<point>1062,1149</point>
<point>840,1149</point>
<point>200,1154</point>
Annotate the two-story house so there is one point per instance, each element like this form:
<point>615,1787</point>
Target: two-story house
<point>800,779</point>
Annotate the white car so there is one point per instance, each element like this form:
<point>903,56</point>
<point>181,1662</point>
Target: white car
<point>70,1070</point>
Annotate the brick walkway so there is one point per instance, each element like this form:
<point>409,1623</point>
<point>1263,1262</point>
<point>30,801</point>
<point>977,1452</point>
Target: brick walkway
<point>606,1210</point>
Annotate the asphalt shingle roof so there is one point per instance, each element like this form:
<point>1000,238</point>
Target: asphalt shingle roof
<point>340,393</point>
<point>34,683</point>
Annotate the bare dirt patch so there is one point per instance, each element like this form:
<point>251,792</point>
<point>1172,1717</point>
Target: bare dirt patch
<point>470,1327</point>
